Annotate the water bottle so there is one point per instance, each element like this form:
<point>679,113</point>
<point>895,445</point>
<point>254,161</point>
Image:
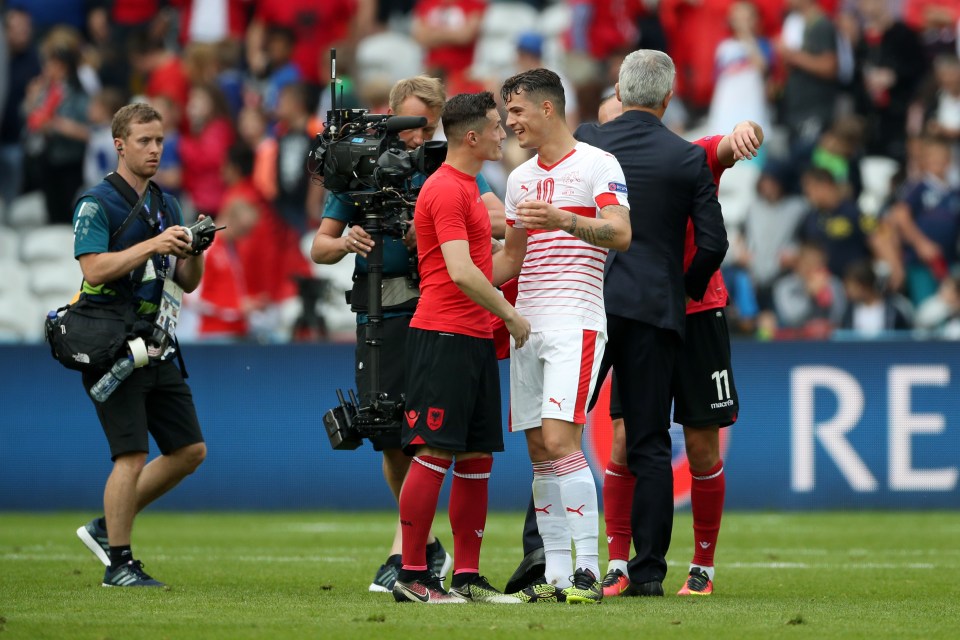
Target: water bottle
<point>106,385</point>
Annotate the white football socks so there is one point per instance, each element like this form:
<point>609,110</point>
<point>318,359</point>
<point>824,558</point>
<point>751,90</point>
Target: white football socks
<point>552,523</point>
<point>579,493</point>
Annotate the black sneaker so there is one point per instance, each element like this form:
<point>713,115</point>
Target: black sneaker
<point>652,588</point>
<point>529,572</point>
<point>585,589</point>
<point>438,560</point>
<point>94,537</point>
<point>479,589</point>
<point>386,575</point>
<point>425,589</point>
<point>130,574</point>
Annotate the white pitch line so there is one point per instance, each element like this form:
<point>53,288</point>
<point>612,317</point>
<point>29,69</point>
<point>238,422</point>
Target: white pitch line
<point>333,527</point>
<point>63,557</point>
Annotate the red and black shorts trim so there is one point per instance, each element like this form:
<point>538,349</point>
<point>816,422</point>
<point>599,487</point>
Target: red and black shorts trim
<point>704,393</point>
<point>453,393</point>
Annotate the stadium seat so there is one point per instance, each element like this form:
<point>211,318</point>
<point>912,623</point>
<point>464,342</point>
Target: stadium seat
<point>28,210</point>
<point>495,57</point>
<point>9,245</point>
<point>507,20</point>
<point>54,242</point>
<point>61,277</point>
<point>15,277</point>
<point>21,317</point>
<point>334,309</point>
<point>389,56</point>
<point>555,20</point>
<point>876,172</point>
<point>737,190</point>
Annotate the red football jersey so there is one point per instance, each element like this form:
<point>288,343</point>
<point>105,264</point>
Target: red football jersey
<point>451,14</point>
<point>449,208</point>
<point>716,294</point>
<point>317,24</point>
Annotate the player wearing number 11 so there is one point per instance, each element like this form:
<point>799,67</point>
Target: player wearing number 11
<point>566,208</point>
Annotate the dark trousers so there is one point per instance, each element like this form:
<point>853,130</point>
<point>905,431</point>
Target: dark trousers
<point>644,357</point>
<point>531,534</point>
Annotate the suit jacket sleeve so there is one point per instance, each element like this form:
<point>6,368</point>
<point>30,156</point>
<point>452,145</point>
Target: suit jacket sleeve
<point>709,235</point>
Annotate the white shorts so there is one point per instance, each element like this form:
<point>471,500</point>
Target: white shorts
<point>553,376</point>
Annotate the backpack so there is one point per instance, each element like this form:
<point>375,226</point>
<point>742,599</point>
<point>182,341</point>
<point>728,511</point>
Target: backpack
<point>88,335</point>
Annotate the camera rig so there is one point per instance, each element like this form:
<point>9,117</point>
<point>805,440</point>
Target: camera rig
<point>360,156</point>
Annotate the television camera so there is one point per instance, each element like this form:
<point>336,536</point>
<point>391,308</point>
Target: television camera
<point>360,156</point>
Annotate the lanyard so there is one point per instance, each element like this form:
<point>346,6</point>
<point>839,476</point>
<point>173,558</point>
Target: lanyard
<point>161,225</point>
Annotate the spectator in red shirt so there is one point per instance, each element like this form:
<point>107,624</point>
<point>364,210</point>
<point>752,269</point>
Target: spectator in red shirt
<point>694,30</point>
<point>223,299</point>
<point>204,146</point>
<point>601,28</point>
<point>270,254</point>
<point>448,30</point>
<point>318,25</point>
<point>163,72</point>
<point>199,25</point>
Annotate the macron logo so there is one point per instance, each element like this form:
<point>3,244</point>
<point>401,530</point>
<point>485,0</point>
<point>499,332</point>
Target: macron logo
<point>479,532</point>
<point>704,545</point>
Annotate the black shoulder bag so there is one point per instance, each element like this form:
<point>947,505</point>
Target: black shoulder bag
<point>88,335</point>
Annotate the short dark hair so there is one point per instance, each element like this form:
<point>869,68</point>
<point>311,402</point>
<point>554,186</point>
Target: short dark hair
<point>303,94</point>
<point>286,34</point>
<point>862,273</point>
<point>241,156</point>
<point>136,113</point>
<point>539,84</point>
<point>935,139</point>
<point>821,175</point>
<point>466,112</point>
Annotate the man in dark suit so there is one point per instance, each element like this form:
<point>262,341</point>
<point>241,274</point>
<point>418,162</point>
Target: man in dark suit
<point>646,289</point>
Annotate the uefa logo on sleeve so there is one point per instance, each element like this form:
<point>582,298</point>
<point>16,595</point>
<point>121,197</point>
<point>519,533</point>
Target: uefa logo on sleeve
<point>600,440</point>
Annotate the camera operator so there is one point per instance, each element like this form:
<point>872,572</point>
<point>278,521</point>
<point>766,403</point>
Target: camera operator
<point>417,96</point>
<point>149,248</point>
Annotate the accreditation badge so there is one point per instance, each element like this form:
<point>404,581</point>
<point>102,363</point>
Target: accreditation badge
<point>170,301</point>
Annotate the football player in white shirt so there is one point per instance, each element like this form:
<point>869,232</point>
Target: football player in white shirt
<point>565,208</point>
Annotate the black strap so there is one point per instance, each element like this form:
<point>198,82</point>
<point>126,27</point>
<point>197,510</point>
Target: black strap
<point>130,196</point>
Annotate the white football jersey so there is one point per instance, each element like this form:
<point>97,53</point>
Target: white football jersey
<point>561,280</point>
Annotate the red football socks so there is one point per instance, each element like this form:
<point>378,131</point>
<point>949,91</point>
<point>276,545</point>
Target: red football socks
<point>618,484</point>
<point>468,512</point>
<point>706,502</point>
<point>418,506</point>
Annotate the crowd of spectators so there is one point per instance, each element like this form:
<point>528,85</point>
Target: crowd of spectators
<point>850,218</point>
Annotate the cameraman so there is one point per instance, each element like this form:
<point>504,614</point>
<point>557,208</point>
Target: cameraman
<point>417,96</point>
<point>154,399</point>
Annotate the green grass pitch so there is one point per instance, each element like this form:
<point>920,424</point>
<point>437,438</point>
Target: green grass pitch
<point>304,575</point>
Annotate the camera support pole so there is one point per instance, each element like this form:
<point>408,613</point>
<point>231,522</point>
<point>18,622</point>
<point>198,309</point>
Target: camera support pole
<point>373,331</point>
